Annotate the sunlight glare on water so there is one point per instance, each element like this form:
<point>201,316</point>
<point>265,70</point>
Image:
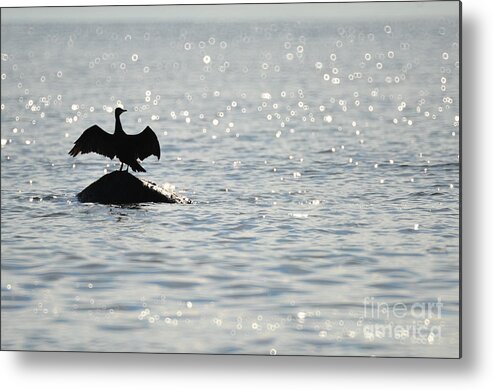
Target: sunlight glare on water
<point>319,157</point>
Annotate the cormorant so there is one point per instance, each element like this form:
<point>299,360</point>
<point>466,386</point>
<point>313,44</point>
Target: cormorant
<point>128,148</point>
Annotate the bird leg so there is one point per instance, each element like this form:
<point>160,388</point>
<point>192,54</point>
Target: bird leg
<point>121,167</point>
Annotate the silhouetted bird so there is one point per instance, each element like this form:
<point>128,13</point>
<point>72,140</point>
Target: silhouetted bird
<point>128,148</point>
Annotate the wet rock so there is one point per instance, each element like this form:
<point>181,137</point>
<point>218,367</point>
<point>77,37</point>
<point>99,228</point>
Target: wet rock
<point>120,187</point>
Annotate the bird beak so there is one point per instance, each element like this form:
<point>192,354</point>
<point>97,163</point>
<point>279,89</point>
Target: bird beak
<point>124,110</point>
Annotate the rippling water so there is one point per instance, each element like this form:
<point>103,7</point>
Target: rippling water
<point>322,159</point>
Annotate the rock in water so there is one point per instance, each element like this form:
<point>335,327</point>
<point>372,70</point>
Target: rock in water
<point>120,187</point>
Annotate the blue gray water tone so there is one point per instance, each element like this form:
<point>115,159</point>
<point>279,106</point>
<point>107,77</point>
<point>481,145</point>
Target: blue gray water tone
<point>322,159</point>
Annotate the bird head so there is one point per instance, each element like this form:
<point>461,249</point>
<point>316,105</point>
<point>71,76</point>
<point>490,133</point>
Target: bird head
<point>119,111</point>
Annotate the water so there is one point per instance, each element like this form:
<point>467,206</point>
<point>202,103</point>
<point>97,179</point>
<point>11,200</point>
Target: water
<point>322,159</point>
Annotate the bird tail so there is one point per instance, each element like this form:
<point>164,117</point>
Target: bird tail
<point>136,167</point>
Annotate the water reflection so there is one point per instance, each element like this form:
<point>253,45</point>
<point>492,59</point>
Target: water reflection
<point>323,159</point>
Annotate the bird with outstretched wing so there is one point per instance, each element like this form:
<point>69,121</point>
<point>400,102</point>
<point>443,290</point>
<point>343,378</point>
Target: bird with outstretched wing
<point>128,148</point>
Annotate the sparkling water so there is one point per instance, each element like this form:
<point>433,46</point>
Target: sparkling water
<point>322,157</point>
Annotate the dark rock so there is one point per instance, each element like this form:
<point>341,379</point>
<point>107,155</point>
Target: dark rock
<point>120,187</point>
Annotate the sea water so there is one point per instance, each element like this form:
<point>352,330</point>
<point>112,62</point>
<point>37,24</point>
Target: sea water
<point>322,158</point>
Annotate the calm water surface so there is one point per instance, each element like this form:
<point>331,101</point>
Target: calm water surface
<point>322,159</point>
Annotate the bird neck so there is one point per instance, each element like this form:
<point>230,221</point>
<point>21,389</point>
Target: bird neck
<point>118,125</point>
